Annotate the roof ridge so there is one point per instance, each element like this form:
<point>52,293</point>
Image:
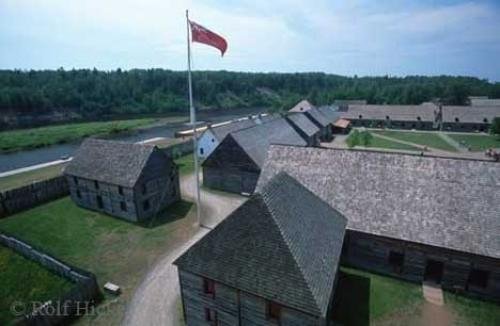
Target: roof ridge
<point>300,268</point>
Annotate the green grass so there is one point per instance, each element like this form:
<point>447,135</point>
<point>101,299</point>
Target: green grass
<point>365,297</point>
<point>113,249</point>
<point>421,138</point>
<point>24,281</point>
<point>472,312</point>
<point>22,179</point>
<point>477,142</point>
<point>387,144</point>
<point>186,164</point>
<point>16,140</point>
<point>361,139</point>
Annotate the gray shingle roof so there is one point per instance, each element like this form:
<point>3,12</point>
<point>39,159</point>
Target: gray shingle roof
<point>222,131</point>
<point>470,114</point>
<point>319,117</point>
<point>330,113</point>
<point>303,123</point>
<point>256,140</point>
<point>109,161</point>
<point>302,106</point>
<point>394,112</point>
<point>444,202</point>
<point>283,244</point>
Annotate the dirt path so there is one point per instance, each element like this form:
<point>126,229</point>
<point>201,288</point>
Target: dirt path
<point>156,301</point>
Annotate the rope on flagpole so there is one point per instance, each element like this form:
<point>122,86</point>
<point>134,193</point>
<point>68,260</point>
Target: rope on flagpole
<point>192,113</point>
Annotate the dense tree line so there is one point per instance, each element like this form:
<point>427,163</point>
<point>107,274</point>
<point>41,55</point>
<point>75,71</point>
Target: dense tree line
<point>91,93</point>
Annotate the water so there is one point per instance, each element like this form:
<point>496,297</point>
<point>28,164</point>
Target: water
<point>22,159</point>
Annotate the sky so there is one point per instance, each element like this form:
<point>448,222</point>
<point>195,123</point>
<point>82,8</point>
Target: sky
<point>345,37</point>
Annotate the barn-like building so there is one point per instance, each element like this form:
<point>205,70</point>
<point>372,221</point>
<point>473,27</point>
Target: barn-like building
<point>273,261</point>
<point>412,217</point>
<point>235,164</point>
<point>305,127</point>
<point>126,180</point>
<point>469,118</point>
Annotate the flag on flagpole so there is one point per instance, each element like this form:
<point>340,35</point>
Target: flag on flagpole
<point>203,35</point>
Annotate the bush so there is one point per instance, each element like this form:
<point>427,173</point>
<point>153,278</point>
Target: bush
<point>353,139</point>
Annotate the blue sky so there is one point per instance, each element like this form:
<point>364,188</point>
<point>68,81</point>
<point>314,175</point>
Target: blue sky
<point>398,37</point>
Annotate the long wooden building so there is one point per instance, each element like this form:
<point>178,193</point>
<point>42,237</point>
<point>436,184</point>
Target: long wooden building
<point>273,261</point>
<point>413,217</point>
<point>129,181</point>
<point>235,164</point>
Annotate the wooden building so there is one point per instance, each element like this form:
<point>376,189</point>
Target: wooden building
<point>273,261</point>
<point>323,122</point>
<point>129,181</point>
<point>235,164</point>
<point>413,217</point>
<point>213,135</point>
<point>422,117</point>
<point>469,118</point>
<point>306,129</point>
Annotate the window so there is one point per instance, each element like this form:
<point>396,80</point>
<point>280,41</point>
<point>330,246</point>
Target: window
<point>145,205</point>
<point>75,180</point>
<point>396,260</point>
<point>419,118</point>
<point>123,206</point>
<point>485,120</point>
<point>99,201</point>
<point>387,117</point>
<point>208,287</point>
<point>78,194</point>
<point>96,184</point>
<point>457,120</point>
<point>201,151</point>
<point>144,189</point>
<point>361,116</point>
<point>478,278</point>
<point>120,190</point>
<point>273,311</point>
<point>211,315</point>
<point>213,140</point>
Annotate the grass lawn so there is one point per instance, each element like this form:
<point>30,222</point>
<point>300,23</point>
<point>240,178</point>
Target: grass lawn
<point>421,138</point>
<point>22,179</point>
<point>16,140</point>
<point>376,142</point>
<point>477,142</point>
<point>186,164</point>
<point>364,298</point>
<point>113,249</point>
<point>24,281</point>
<point>472,312</point>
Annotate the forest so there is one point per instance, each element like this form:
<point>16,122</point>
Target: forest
<point>90,93</point>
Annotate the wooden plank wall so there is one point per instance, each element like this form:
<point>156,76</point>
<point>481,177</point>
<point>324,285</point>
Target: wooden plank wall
<point>371,253</point>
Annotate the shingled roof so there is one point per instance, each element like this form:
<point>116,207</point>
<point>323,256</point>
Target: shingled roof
<point>256,140</point>
<point>470,114</point>
<point>302,106</point>
<point>303,123</point>
<point>319,117</point>
<point>283,244</point>
<point>113,162</point>
<point>223,130</point>
<point>330,113</point>
<point>443,202</point>
<point>394,112</point>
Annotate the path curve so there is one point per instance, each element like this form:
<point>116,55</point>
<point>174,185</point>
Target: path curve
<point>156,300</point>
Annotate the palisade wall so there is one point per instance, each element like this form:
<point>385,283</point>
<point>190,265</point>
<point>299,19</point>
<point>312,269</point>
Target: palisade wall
<point>83,295</point>
<point>25,197</point>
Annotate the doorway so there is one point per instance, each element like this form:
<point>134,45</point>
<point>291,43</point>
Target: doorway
<point>433,271</point>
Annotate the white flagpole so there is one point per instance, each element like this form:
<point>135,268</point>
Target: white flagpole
<point>192,114</point>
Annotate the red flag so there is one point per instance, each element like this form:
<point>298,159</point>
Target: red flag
<point>202,35</point>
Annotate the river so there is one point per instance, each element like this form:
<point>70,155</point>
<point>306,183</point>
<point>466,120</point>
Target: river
<point>21,159</point>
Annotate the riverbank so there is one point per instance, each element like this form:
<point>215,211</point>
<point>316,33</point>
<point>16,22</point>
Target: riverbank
<point>24,139</point>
